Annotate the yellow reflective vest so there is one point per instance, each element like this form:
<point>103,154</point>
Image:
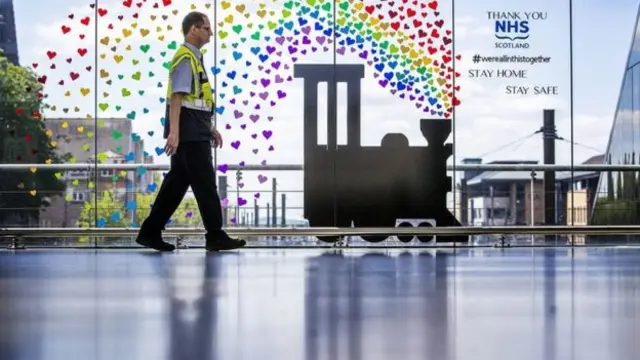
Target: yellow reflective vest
<point>201,96</point>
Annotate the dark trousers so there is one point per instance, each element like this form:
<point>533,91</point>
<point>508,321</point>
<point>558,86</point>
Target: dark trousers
<point>191,165</point>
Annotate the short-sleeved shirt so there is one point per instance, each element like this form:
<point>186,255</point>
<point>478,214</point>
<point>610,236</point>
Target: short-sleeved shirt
<point>195,125</point>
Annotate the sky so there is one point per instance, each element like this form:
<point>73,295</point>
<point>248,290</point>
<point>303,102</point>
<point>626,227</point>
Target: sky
<point>486,118</point>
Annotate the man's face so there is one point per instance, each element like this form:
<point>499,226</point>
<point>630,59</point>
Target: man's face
<point>204,32</point>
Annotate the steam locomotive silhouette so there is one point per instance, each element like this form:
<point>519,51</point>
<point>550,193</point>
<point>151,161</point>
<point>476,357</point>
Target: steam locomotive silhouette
<point>370,186</point>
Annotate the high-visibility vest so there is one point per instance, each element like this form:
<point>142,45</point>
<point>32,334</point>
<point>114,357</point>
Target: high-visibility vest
<point>201,96</point>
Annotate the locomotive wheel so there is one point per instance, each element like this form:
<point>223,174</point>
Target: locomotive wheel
<point>328,239</point>
<point>324,222</point>
<point>374,238</point>
<point>425,238</point>
<point>405,238</point>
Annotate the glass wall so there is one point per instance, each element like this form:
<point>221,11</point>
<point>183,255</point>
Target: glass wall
<point>619,191</point>
<point>332,112</point>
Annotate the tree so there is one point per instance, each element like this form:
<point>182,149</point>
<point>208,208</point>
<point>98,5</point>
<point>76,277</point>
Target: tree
<point>113,212</point>
<point>187,214</point>
<point>110,213</point>
<point>24,139</point>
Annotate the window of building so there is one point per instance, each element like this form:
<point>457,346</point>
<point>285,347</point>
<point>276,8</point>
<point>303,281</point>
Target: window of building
<point>106,173</point>
<point>500,213</point>
<point>78,195</point>
<point>578,185</point>
<point>77,174</point>
<point>3,26</point>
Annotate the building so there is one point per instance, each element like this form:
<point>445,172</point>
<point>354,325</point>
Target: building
<point>507,198</point>
<point>576,198</point>
<point>116,144</point>
<point>618,194</point>
<point>8,38</point>
<point>499,198</point>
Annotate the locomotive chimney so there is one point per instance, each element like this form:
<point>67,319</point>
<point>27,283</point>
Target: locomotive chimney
<point>352,74</point>
<point>354,104</point>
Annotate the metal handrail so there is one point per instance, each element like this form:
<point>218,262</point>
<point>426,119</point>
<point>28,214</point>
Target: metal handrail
<point>132,167</point>
<point>299,167</point>
<point>337,231</point>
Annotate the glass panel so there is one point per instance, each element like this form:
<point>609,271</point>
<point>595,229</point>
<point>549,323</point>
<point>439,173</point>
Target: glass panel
<point>261,112</point>
<point>514,61</point>
<point>49,112</point>
<point>396,61</point>
<point>634,52</point>
<point>617,207</point>
<point>119,121</point>
<point>138,43</point>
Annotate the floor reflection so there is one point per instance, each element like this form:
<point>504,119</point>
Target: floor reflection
<point>376,306</point>
<point>321,305</point>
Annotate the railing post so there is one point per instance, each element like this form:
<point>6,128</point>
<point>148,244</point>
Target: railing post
<point>532,208</point>
<point>268,217</point>
<point>283,210</point>
<point>274,198</point>
<point>256,213</point>
<point>238,183</point>
<point>180,243</point>
<point>16,244</point>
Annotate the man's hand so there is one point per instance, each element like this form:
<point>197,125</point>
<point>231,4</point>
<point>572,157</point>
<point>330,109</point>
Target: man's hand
<point>217,138</point>
<point>172,143</point>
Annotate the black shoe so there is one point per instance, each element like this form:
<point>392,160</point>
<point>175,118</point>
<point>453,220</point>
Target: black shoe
<point>223,242</point>
<point>154,242</point>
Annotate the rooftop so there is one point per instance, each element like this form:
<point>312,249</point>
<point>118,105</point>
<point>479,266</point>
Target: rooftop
<point>515,176</point>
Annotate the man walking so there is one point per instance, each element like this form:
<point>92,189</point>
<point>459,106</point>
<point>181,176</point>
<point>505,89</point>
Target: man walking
<point>190,137</point>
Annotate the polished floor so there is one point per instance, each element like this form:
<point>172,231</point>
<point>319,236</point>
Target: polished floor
<point>477,304</point>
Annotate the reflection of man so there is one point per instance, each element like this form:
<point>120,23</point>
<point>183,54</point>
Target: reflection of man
<point>190,136</point>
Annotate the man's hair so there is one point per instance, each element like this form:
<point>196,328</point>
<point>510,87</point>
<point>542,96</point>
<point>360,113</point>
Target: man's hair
<point>194,18</point>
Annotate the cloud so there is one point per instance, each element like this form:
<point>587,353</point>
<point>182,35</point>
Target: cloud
<point>467,26</point>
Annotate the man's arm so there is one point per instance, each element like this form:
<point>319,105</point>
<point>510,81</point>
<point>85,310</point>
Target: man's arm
<point>174,111</point>
<point>181,83</point>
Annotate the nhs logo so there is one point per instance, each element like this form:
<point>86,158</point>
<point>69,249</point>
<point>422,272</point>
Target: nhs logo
<point>512,28</point>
